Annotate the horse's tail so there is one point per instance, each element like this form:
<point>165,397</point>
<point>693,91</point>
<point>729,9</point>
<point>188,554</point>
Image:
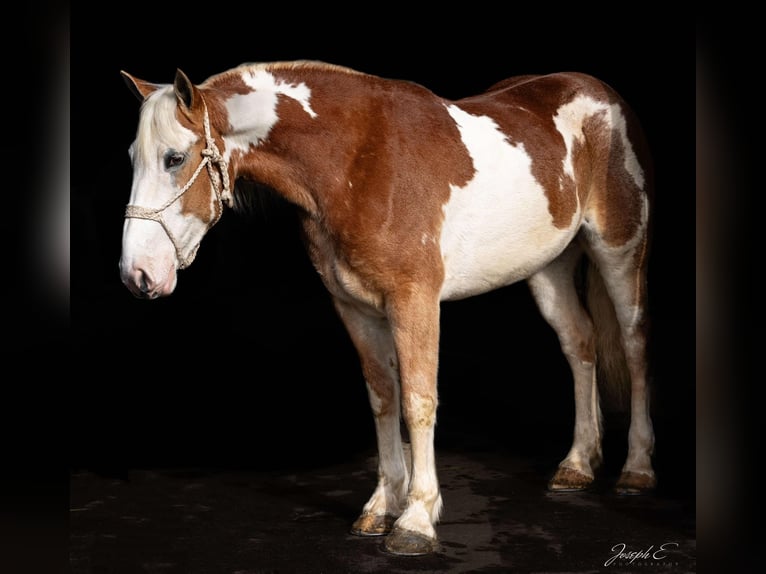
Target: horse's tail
<point>611,367</point>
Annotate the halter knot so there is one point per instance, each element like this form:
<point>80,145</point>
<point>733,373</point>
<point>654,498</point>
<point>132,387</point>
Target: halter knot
<point>214,156</point>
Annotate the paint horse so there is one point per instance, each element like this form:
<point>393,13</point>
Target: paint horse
<point>407,199</point>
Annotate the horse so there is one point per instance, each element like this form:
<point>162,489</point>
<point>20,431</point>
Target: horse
<point>406,200</point>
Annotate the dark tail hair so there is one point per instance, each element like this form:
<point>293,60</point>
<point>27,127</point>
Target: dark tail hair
<point>612,372</point>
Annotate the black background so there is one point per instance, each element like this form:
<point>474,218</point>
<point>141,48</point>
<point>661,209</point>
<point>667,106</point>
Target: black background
<point>246,363</point>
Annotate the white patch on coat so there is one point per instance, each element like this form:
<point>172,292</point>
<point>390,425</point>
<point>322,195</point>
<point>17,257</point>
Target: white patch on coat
<point>159,130</point>
<point>253,115</point>
<point>569,120</point>
<point>497,228</point>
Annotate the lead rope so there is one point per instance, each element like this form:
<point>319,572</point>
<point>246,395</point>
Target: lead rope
<point>211,157</point>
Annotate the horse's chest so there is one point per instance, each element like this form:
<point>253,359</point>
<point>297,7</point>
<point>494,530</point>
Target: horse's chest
<point>341,280</point>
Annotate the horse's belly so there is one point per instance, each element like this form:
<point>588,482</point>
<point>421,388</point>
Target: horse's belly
<point>497,249</point>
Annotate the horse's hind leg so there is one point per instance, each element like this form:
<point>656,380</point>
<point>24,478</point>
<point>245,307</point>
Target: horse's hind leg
<point>374,343</point>
<point>554,291</point>
<point>624,273</point>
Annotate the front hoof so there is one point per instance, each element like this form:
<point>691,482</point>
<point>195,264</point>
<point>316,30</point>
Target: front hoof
<point>409,543</point>
<point>373,525</point>
<point>635,483</point>
<point>569,480</point>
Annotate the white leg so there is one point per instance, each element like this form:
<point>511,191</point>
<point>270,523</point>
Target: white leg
<point>626,287</point>
<point>554,291</point>
<point>374,343</point>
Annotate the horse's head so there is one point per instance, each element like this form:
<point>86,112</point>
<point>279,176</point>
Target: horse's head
<point>180,182</point>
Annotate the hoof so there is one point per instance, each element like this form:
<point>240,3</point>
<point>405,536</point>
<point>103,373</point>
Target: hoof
<point>409,543</point>
<point>373,525</point>
<point>569,480</point>
<point>634,483</point>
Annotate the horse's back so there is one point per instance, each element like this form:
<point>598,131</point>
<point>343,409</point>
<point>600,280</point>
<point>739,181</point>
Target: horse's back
<point>550,88</point>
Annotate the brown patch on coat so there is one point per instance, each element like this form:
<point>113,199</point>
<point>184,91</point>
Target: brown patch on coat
<point>379,378</point>
<point>615,200</point>
<point>196,200</point>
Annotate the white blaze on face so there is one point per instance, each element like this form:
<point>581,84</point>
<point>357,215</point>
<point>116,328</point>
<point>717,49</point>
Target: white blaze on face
<point>497,228</point>
<point>254,114</point>
<point>148,263</point>
<point>569,120</point>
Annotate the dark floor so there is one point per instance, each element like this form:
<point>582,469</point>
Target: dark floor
<point>263,467</point>
<point>498,517</point>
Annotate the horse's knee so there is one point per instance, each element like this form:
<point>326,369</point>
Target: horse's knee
<point>419,410</point>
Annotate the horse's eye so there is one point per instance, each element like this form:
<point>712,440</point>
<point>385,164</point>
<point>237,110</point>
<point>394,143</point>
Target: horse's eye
<point>174,159</point>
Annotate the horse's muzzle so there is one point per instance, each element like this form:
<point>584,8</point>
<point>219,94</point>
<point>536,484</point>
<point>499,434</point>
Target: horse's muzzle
<point>145,285</point>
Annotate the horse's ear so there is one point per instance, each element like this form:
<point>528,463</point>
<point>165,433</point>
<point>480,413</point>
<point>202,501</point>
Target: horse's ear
<point>185,91</point>
<point>140,88</point>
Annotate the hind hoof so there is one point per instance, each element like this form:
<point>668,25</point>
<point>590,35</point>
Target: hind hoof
<point>569,480</point>
<point>635,483</point>
<point>373,525</point>
<point>409,543</point>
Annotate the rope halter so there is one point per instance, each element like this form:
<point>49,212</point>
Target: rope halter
<point>211,158</point>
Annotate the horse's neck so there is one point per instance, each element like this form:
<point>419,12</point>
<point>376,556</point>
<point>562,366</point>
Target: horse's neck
<point>279,139</point>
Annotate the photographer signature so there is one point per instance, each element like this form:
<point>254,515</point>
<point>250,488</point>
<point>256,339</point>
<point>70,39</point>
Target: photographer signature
<point>621,553</point>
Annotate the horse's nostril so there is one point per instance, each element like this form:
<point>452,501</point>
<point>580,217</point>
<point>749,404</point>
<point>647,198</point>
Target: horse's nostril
<point>144,282</point>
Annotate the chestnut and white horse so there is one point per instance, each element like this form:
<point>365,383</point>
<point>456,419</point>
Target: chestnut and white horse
<point>407,199</point>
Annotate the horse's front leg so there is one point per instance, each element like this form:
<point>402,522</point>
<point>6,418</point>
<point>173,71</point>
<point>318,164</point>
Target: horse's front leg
<point>374,343</point>
<point>415,321</point>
